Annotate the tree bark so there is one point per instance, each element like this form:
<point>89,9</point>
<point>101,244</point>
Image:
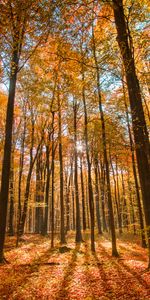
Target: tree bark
<point>106,162</point>
<point>78,219</point>
<point>11,208</point>
<point>97,195</point>
<point>62,226</point>
<point>53,182</point>
<point>7,152</point>
<point>101,175</point>
<point>125,211</point>
<point>90,188</point>
<point>21,164</point>
<point>83,195</point>
<point>116,200</point>
<point>138,119</point>
<point>143,237</point>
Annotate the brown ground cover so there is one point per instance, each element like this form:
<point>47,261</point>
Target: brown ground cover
<point>37,272</point>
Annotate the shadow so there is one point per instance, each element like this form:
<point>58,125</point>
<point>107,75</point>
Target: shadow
<point>96,280</point>
<point>105,284</point>
<point>122,267</point>
<point>63,293</point>
<point>136,275</point>
<point>134,253</point>
<point>90,280</point>
<point>20,274</point>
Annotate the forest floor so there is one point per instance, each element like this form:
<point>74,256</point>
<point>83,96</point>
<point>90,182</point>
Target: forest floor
<point>35,271</point>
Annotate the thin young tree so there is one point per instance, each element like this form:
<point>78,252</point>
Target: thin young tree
<point>78,220</point>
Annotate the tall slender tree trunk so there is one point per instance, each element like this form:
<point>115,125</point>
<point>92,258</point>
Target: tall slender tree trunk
<point>101,176</point>
<point>83,195</point>
<point>143,237</point>
<point>97,195</point>
<point>11,208</point>
<point>78,219</point>
<point>53,182</point>
<point>116,200</point>
<point>138,119</point>
<point>118,194</point>
<point>38,194</point>
<point>62,225</point>
<point>106,162</point>
<point>132,213</point>
<point>7,152</point>
<point>73,200</point>
<point>21,165</point>
<point>87,204</point>
<point>48,171</point>
<point>90,188</point>
<point>125,208</point>
<point>27,190</point>
<point>68,183</point>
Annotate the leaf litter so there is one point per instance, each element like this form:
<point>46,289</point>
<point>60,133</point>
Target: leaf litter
<point>37,272</point>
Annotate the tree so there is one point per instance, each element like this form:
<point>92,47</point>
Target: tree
<point>78,221</point>
<point>138,119</point>
<point>62,224</point>
<point>16,21</point>
<point>106,161</point>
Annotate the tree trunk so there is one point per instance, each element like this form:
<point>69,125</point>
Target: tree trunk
<point>116,200</point>
<point>97,195</point>
<point>143,237</point>
<point>27,189</point>
<point>106,163</point>
<point>138,119</point>
<point>118,194</point>
<point>101,176</point>
<point>20,176</point>
<point>11,208</point>
<point>125,210</point>
<point>90,188</point>
<point>83,195</point>
<point>131,204</point>
<point>48,171</point>
<point>68,182</point>
<point>53,182</point>
<point>7,152</point>
<point>73,204</point>
<point>62,226</point>
<point>78,220</point>
<point>87,204</point>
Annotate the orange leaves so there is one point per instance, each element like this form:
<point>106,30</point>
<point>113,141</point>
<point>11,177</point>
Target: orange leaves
<point>36,272</point>
<point>3,104</point>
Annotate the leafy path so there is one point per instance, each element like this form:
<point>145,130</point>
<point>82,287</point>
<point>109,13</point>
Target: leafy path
<point>37,272</point>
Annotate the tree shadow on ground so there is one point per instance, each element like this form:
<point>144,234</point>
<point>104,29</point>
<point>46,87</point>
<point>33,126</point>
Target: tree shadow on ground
<point>20,274</point>
<point>124,270</point>
<point>93,282</point>
<point>134,253</point>
<point>63,293</point>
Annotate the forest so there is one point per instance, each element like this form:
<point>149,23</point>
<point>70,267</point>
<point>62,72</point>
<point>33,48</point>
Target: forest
<point>74,149</point>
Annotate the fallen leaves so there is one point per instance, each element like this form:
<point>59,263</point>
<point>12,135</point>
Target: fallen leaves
<point>38,272</point>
